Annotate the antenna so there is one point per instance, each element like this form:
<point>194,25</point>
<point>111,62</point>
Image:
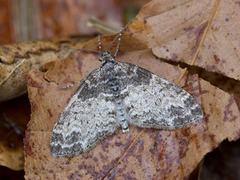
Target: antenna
<point>99,43</point>
<point>119,39</point>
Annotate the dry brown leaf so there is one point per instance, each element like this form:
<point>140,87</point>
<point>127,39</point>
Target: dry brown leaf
<point>145,153</point>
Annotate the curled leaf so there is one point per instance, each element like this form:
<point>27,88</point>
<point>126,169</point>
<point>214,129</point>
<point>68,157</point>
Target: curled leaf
<point>16,60</point>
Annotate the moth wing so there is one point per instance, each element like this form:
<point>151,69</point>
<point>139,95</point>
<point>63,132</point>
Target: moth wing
<point>153,102</point>
<point>89,117</point>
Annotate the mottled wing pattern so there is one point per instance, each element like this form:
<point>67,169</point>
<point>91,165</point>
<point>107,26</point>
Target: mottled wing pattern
<point>153,102</point>
<point>89,117</point>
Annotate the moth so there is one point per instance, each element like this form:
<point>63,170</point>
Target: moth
<point>115,95</point>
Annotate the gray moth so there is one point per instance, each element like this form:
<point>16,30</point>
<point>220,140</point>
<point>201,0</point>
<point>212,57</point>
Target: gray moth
<point>115,95</point>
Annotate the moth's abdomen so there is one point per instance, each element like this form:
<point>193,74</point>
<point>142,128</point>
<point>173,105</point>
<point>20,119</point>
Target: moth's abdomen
<point>120,108</point>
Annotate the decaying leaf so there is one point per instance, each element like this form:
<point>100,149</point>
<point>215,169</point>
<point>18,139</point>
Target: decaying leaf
<point>145,153</point>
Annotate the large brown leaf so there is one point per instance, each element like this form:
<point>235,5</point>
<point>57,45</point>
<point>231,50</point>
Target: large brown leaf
<point>141,153</point>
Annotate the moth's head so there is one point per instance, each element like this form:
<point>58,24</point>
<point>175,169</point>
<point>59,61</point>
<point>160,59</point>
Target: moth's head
<point>105,56</point>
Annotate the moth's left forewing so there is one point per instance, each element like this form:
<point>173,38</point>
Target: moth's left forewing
<point>88,118</point>
<point>153,102</point>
